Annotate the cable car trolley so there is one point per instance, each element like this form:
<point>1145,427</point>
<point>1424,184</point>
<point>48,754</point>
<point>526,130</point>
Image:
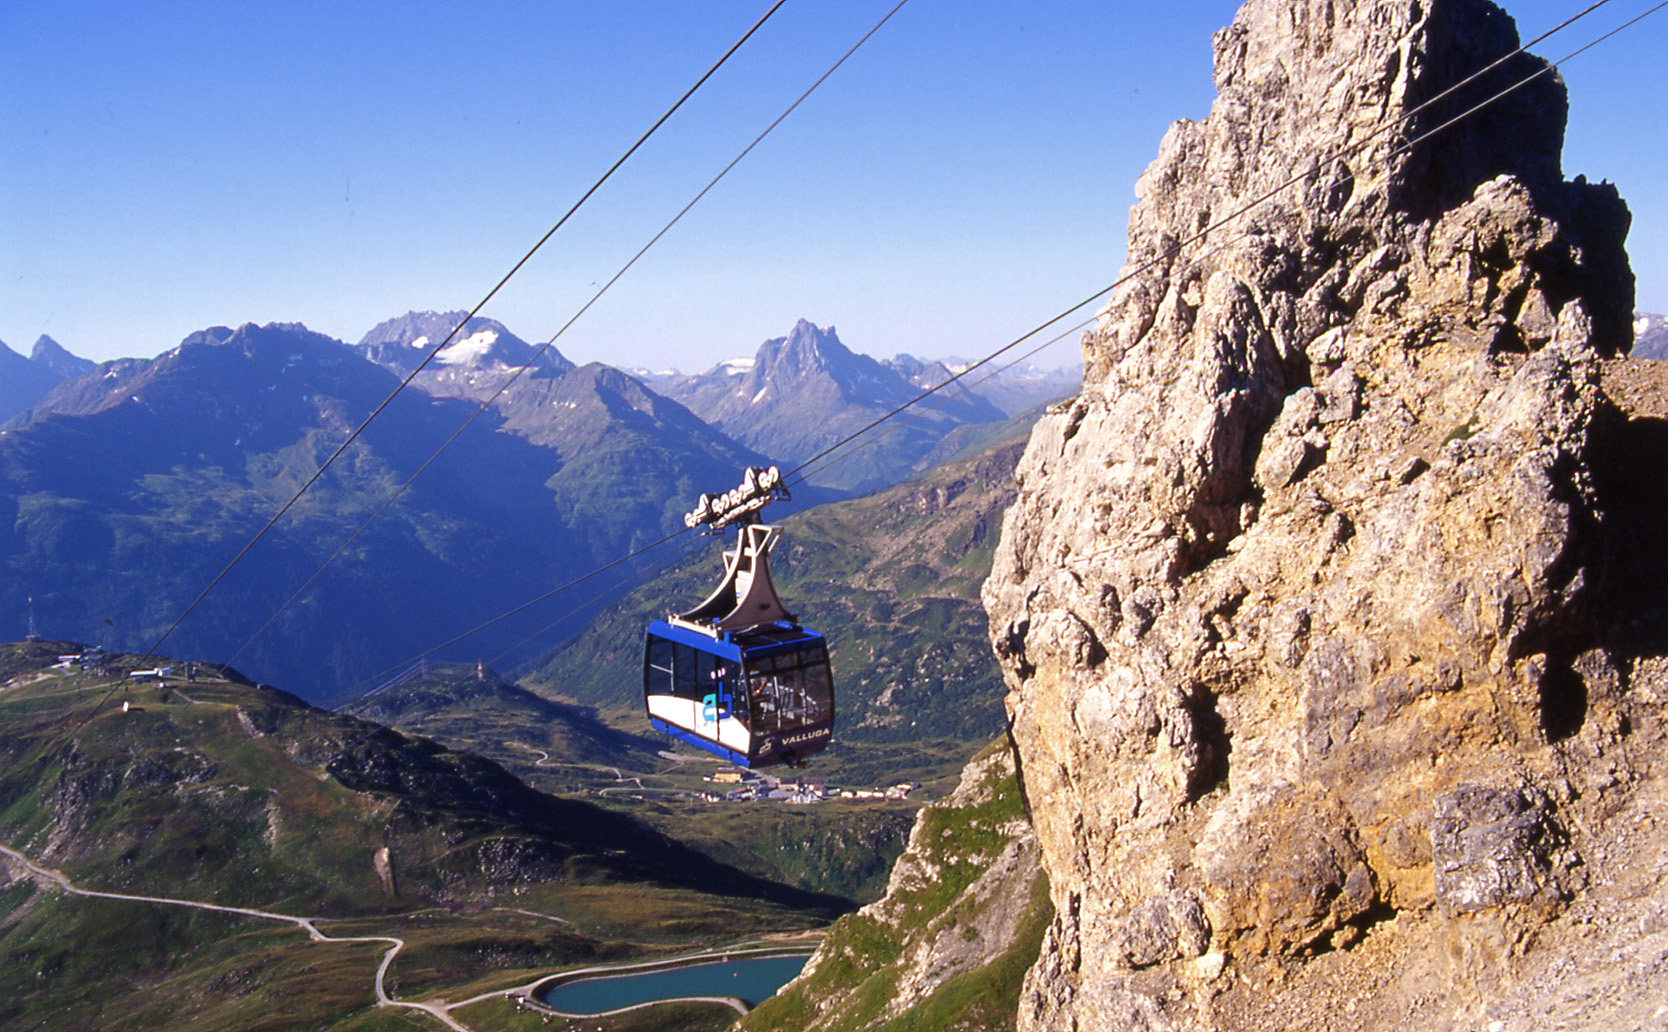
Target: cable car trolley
<point>737,675</point>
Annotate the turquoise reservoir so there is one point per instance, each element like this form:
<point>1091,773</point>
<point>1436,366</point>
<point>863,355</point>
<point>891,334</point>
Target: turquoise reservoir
<point>750,979</point>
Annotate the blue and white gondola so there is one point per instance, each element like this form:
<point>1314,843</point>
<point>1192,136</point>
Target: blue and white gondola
<point>738,675</point>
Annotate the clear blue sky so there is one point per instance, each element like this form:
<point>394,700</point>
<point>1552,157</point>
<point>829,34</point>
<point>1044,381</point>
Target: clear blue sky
<point>170,165</point>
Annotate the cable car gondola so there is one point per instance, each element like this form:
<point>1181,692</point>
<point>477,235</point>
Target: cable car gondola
<point>737,675</point>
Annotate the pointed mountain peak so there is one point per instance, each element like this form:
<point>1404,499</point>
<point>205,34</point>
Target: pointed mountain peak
<point>211,336</point>
<point>808,335</point>
<point>54,356</point>
<point>806,349</point>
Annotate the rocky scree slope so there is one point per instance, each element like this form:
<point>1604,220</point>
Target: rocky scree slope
<point>1313,607</point>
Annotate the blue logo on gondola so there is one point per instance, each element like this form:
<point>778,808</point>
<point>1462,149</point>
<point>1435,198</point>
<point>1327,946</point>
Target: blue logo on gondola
<point>709,709</point>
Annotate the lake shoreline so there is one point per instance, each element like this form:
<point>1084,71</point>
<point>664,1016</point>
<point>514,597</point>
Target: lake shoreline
<point>538,995</point>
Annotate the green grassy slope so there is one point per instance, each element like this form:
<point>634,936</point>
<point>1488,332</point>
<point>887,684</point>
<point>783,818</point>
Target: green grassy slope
<point>892,580</point>
<point>843,848</point>
<point>949,946</point>
<point>213,789</point>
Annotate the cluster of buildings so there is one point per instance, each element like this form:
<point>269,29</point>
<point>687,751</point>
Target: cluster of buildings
<point>90,658</point>
<point>752,785</point>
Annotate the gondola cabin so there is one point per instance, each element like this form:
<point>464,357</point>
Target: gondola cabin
<point>756,697</point>
<point>737,675</point>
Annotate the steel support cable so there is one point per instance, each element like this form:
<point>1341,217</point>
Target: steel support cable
<point>1176,248</point>
<point>166,634</point>
<point>456,329</point>
<point>595,297</point>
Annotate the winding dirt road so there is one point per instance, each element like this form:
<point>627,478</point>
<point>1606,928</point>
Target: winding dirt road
<point>441,1010</point>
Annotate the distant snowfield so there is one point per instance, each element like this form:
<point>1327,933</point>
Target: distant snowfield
<point>469,351</point>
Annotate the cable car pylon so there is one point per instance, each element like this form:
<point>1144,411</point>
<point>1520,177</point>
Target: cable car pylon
<point>738,675</point>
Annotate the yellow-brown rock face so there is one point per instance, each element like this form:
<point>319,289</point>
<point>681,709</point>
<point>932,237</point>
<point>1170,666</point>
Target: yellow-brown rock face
<point>1307,604</point>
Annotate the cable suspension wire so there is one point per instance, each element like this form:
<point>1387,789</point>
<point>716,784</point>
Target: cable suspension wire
<point>539,352</point>
<point>456,329</point>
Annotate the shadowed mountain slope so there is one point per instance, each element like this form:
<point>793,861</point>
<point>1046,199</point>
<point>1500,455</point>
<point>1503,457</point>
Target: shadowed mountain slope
<point>129,488</point>
<point>24,381</point>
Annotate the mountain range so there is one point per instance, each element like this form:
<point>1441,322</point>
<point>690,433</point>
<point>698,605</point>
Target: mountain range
<point>801,393</point>
<point>126,488</point>
<point>124,492</point>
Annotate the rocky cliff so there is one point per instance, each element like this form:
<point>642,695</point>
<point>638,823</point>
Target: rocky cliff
<point>1332,675</point>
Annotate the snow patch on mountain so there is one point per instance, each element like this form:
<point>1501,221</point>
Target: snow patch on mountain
<point>470,350</point>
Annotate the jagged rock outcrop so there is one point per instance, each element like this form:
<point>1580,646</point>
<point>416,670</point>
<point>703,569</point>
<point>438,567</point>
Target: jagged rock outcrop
<point>1304,604</point>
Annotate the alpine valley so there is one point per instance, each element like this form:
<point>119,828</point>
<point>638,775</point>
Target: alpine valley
<point>1303,668</point>
<point>495,836</point>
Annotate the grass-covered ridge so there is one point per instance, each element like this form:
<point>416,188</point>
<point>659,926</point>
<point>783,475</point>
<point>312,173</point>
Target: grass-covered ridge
<point>209,788</point>
<point>949,945</point>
